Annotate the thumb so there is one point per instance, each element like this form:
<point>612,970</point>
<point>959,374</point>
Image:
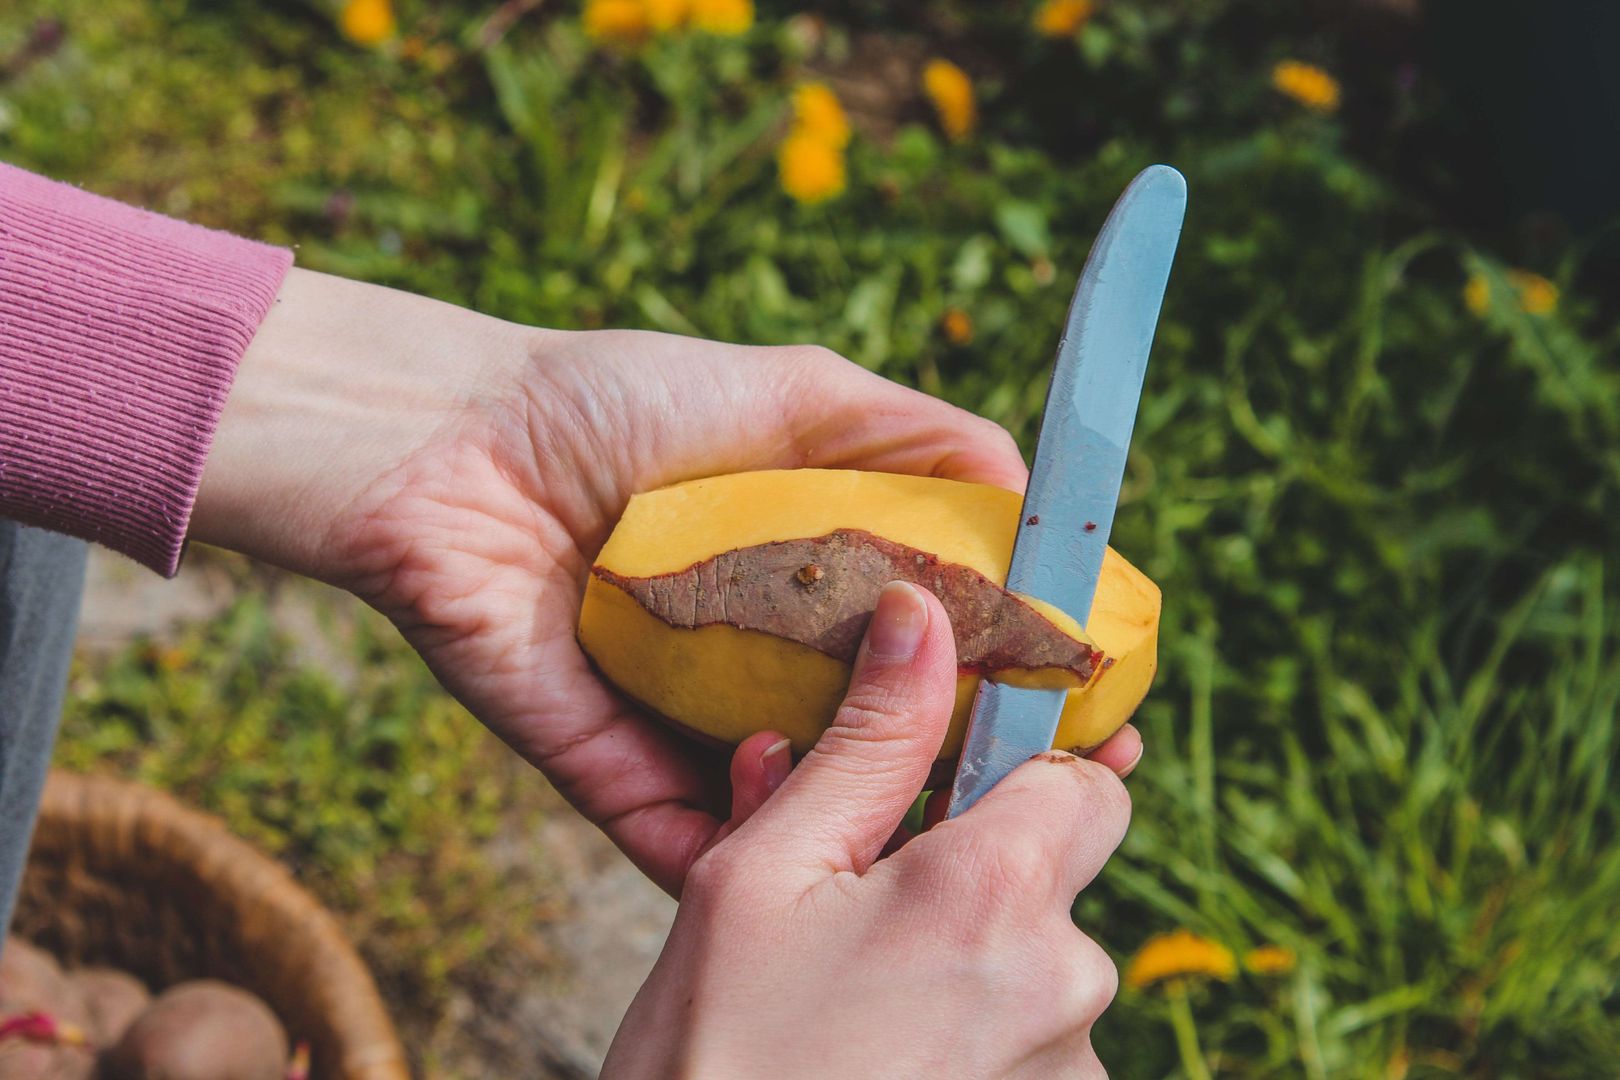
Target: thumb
<point>849,794</point>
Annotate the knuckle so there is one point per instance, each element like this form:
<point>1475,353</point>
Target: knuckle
<point>1001,437</point>
<point>1102,794</point>
<point>812,359</point>
<point>1083,976</point>
<point>1094,978</point>
<point>711,874</point>
<point>867,711</point>
<point>886,700</point>
<point>1021,865</point>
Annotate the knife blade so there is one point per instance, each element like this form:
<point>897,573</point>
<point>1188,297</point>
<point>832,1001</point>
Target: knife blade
<point>1079,458</point>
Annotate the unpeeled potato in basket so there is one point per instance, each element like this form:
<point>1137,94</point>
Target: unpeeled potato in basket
<point>200,1030</point>
<point>73,1025</point>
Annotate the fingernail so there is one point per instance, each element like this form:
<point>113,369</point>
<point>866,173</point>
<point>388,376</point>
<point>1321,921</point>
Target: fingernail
<point>1127,770</point>
<point>776,763</point>
<point>898,624</point>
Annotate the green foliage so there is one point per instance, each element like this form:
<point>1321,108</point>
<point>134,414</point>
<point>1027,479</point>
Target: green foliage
<point>1385,527</point>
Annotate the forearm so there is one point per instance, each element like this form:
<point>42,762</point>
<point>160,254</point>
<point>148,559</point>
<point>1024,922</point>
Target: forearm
<point>120,332</point>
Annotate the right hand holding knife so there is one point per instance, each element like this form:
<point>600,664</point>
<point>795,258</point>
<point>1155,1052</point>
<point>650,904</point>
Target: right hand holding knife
<point>801,951</point>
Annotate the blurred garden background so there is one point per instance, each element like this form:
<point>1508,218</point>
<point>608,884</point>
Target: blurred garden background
<point>1377,469</point>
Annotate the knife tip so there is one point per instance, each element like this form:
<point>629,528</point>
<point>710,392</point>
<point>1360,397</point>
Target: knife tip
<point>1167,176</point>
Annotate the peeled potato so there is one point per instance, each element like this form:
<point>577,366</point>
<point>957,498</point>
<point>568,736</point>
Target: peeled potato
<point>734,603</point>
<point>201,1030</point>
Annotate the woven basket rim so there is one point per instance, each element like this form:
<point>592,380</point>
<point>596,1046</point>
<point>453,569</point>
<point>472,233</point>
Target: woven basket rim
<point>102,842</point>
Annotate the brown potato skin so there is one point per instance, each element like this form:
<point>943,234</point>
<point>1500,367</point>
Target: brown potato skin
<point>112,1000</point>
<point>200,1030</point>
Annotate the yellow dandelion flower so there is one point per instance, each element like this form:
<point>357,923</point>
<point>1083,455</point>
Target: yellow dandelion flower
<point>367,22</point>
<point>727,18</point>
<point>951,91</point>
<point>1178,954</point>
<point>816,111</point>
<point>1537,295</point>
<point>616,22</point>
<point>1062,18</point>
<point>812,169</point>
<point>1307,84</point>
<point>957,326</point>
<point>666,15</point>
<point>1533,294</point>
<point>1270,960</point>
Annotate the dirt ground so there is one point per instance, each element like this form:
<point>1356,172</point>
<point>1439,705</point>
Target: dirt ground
<point>556,1023</point>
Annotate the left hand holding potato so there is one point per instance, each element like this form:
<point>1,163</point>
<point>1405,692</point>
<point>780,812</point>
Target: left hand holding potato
<point>458,473</point>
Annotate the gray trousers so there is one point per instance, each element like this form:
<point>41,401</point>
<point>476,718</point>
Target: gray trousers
<point>41,582</point>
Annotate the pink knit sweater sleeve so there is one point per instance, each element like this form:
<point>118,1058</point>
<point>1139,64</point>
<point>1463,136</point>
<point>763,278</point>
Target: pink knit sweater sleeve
<point>120,333</point>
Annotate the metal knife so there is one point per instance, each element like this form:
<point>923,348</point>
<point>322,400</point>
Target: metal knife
<point>1079,458</point>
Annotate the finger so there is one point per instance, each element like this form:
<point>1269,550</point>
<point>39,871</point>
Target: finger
<point>852,418</point>
<point>1121,752</point>
<point>760,765</point>
<point>658,795</point>
<point>1047,828</point>
<point>849,794</point>
<point>647,788</point>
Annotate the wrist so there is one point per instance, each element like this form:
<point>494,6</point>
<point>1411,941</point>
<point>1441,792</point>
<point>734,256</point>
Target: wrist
<point>341,385</point>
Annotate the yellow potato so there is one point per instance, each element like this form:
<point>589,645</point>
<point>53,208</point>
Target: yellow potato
<point>710,605</point>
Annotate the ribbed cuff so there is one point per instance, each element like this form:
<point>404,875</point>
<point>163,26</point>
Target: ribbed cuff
<point>120,334</point>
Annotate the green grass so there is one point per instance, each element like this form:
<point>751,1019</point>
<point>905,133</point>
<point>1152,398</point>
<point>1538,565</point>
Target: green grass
<point>1385,526</point>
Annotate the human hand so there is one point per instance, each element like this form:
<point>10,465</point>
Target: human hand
<point>459,473</point>
<point>797,951</point>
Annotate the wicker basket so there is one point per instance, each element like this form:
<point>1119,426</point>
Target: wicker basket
<point>125,876</point>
